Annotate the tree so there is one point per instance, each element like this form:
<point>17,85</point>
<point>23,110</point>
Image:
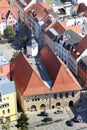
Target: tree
<point>24,41</point>
<point>14,55</point>
<point>22,122</point>
<point>6,126</point>
<point>9,33</point>
<point>63,1</point>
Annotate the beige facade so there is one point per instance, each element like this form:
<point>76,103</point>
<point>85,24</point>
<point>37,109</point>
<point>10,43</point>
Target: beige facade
<point>50,101</point>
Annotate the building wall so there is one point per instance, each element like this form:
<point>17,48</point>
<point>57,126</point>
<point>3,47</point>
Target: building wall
<point>2,27</point>
<point>50,101</point>
<point>50,42</point>
<point>20,99</point>
<point>62,53</point>
<point>8,107</point>
<point>83,76</point>
<point>20,12</point>
<point>74,67</point>
<point>11,20</point>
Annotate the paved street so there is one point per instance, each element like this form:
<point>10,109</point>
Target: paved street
<point>8,49</point>
<point>59,121</point>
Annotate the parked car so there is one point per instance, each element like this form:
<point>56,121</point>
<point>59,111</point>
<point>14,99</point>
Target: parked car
<point>70,123</point>
<point>43,114</point>
<point>47,119</point>
<point>58,111</point>
<point>77,119</point>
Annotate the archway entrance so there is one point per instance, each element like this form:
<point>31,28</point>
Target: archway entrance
<point>70,103</point>
<point>58,104</point>
<point>43,107</point>
<point>33,108</point>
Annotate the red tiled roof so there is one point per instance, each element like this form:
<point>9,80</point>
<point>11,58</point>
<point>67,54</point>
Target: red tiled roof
<point>45,5</point>
<point>82,8</point>
<point>40,15</point>
<point>4,12</point>
<point>26,79</point>
<point>57,27</point>
<point>75,28</point>
<point>3,3</point>
<point>63,80</point>
<point>5,8</point>
<point>39,6</point>
<point>21,3</point>
<point>80,48</point>
<point>39,9</point>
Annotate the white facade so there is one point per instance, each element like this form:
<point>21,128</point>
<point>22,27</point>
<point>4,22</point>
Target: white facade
<point>62,53</point>
<point>32,50</point>
<point>2,27</point>
<point>74,62</point>
<point>75,21</point>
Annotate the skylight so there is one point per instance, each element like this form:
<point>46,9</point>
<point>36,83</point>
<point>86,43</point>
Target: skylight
<point>53,31</point>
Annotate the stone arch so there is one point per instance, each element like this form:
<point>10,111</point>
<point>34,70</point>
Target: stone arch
<point>43,106</point>
<point>70,103</point>
<point>33,108</point>
<point>58,104</point>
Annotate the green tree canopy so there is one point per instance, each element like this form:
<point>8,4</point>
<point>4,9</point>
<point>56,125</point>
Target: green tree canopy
<point>14,55</point>
<point>24,41</point>
<point>63,1</point>
<point>22,121</point>
<point>9,32</point>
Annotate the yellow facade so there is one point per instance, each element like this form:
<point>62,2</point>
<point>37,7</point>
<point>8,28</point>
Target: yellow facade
<point>8,107</point>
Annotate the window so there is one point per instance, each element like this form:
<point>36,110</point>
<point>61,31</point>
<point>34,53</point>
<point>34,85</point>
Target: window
<point>73,94</point>
<point>66,95</point>
<point>7,104</point>
<point>55,96</point>
<point>28,109</point>
<point>9,17</point>
<point>27,100</point>
<point>3,111</point>
<point>61,95</point>
<point>38,99</point>
<point>0,95</point>
<point>35,99</point>
<point>8,110</point>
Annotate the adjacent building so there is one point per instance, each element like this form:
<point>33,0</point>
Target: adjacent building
<point>64,45</point>
<point>52,33</point>
<point>8,100</point>
<point>8,16</point>
<point>43,83</point>
<point>82,71</point>
<point>4,66</point>
<point>78,53</point>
